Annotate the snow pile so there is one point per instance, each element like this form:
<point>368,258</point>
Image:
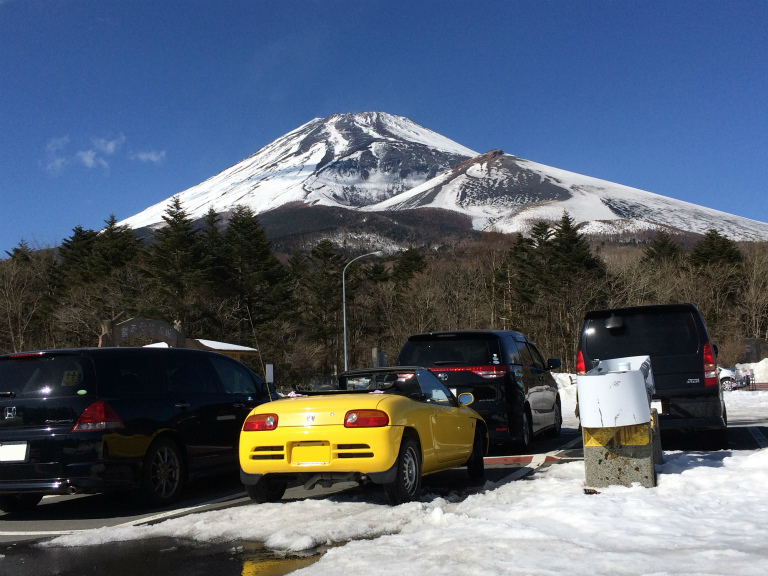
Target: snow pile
<point>706,516</point>
<point>758,369</point>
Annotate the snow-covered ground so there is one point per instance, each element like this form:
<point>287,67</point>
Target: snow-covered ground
<point>706,516</point>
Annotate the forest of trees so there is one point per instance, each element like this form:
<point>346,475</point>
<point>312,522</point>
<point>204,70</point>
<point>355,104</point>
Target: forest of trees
<point>228,284</point>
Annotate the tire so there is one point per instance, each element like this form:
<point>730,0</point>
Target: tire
<point>727,385</point>
<point>19,502</point>
<point>407,484</point>
<point>524,431</point>
<point>476,464</point>
<point>162,478</point>
<point>716,439</point>
<point>557,426</point>
<point>267,489</point>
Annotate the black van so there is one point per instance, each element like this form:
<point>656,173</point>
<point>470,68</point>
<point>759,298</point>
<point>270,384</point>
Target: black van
<point>514,390</point>
<point>688,395</point>
<point>101,419</point>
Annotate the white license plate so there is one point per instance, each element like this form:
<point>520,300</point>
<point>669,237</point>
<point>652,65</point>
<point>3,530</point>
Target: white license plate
<point>656,404</point>
<point>13,451</point>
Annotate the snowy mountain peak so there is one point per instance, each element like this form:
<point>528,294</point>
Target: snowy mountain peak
<point>348,160</point>
<point>379,162</point>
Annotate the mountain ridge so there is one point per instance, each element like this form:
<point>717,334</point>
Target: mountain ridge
<point>375,162</point>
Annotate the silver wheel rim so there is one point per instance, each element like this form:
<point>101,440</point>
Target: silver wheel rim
<point>164,475</point>
<point>410,471</point>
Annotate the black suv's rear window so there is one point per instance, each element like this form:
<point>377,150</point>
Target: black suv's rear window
<point>654,334</point>
<point>46,376</point>
<point>450,350</point>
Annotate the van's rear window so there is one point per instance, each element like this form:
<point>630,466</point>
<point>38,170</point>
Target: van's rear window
<point>447,351</point>
<point>46,376</point>
<point>664,334</point>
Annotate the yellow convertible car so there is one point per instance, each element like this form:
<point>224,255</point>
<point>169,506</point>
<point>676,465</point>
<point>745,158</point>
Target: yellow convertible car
<point>388,426</point>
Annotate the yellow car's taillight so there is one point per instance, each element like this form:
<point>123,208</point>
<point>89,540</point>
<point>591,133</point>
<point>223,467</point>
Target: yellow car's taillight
<point>260,422</point>
<point>365,419</point>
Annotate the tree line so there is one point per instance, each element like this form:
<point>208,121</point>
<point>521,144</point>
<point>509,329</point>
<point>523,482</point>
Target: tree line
<point>227,283</point>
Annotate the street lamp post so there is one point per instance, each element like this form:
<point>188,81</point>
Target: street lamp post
<point>344,299</point>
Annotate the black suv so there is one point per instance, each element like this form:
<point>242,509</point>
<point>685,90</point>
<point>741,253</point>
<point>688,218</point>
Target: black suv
<point>93,420</point>
<point>513,387</point>
<point>688,394</point>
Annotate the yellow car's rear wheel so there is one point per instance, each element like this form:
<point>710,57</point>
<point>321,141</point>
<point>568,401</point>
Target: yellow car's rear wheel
<point>267,489</point>
<point>407,483</point>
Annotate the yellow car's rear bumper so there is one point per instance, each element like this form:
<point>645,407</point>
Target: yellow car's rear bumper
<point>319,449</point>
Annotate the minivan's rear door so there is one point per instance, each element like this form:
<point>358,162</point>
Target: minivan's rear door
<point>42,394</point>
<point>672,338</point>
<point>464,362</point>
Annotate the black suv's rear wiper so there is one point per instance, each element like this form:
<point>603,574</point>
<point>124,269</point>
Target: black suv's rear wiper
<point>10,394</point>
<point>449,363</point>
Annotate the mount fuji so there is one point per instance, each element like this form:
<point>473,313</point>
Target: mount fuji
<point>385,167</point>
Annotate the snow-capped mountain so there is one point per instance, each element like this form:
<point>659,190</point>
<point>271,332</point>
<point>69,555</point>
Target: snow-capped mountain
<point>374,162</point>
<point>503,193</point>
<point>348,160</point>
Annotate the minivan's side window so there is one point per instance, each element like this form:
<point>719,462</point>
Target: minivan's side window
<point>234,378</point>
<point>525,355</point>
<point>512,352</point>
<point>189,373</point>
<point>538,361</point>
<point>137,374</point>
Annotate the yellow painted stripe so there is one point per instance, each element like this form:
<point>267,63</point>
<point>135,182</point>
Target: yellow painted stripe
<point>637,435</point>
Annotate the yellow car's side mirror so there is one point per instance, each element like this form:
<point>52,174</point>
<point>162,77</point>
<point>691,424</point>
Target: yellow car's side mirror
<point>466,398</point>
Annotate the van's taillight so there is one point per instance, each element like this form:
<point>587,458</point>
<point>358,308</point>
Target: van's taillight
<point>710,366</point>
<point>260,422</point>
<point>96,417</point>
<point>365,419</point>
<point>581,367</point>
<point>489,371</point>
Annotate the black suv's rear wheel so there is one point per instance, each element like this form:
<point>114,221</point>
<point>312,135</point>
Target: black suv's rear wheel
<point>524,431</point>
<point>163,474</point>
<point>557,426</point>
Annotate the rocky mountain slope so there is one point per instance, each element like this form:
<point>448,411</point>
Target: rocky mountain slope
<point>377,163</point>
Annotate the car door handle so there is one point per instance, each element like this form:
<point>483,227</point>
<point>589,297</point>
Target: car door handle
<point>239,405</point>
<point>182,406</point>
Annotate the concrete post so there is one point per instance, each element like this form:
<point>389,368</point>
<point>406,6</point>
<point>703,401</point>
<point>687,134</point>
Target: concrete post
<point>620,434</point>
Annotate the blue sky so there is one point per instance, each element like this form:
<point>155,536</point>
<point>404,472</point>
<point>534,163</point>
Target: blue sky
<point>111,106</point>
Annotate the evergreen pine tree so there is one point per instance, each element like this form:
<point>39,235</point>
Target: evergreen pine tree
<point>571,250</point>
<point>114,247</point>
<point>76,255</point>
<point>20,253</point>
<point>174,261</point>
<point>715,248</point>
<point>407,265</point>
<point>257,278</point>
<point>662,248</point>
<point>213,251</point>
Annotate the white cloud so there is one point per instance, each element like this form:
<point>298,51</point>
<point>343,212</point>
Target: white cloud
<point>54,160</point>
<point>152,156</point>
<point>57,157</point>
<point>89,159</point>
<point>108,147</point>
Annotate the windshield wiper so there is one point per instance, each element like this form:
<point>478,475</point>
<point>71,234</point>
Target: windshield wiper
<point>450,362</point>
